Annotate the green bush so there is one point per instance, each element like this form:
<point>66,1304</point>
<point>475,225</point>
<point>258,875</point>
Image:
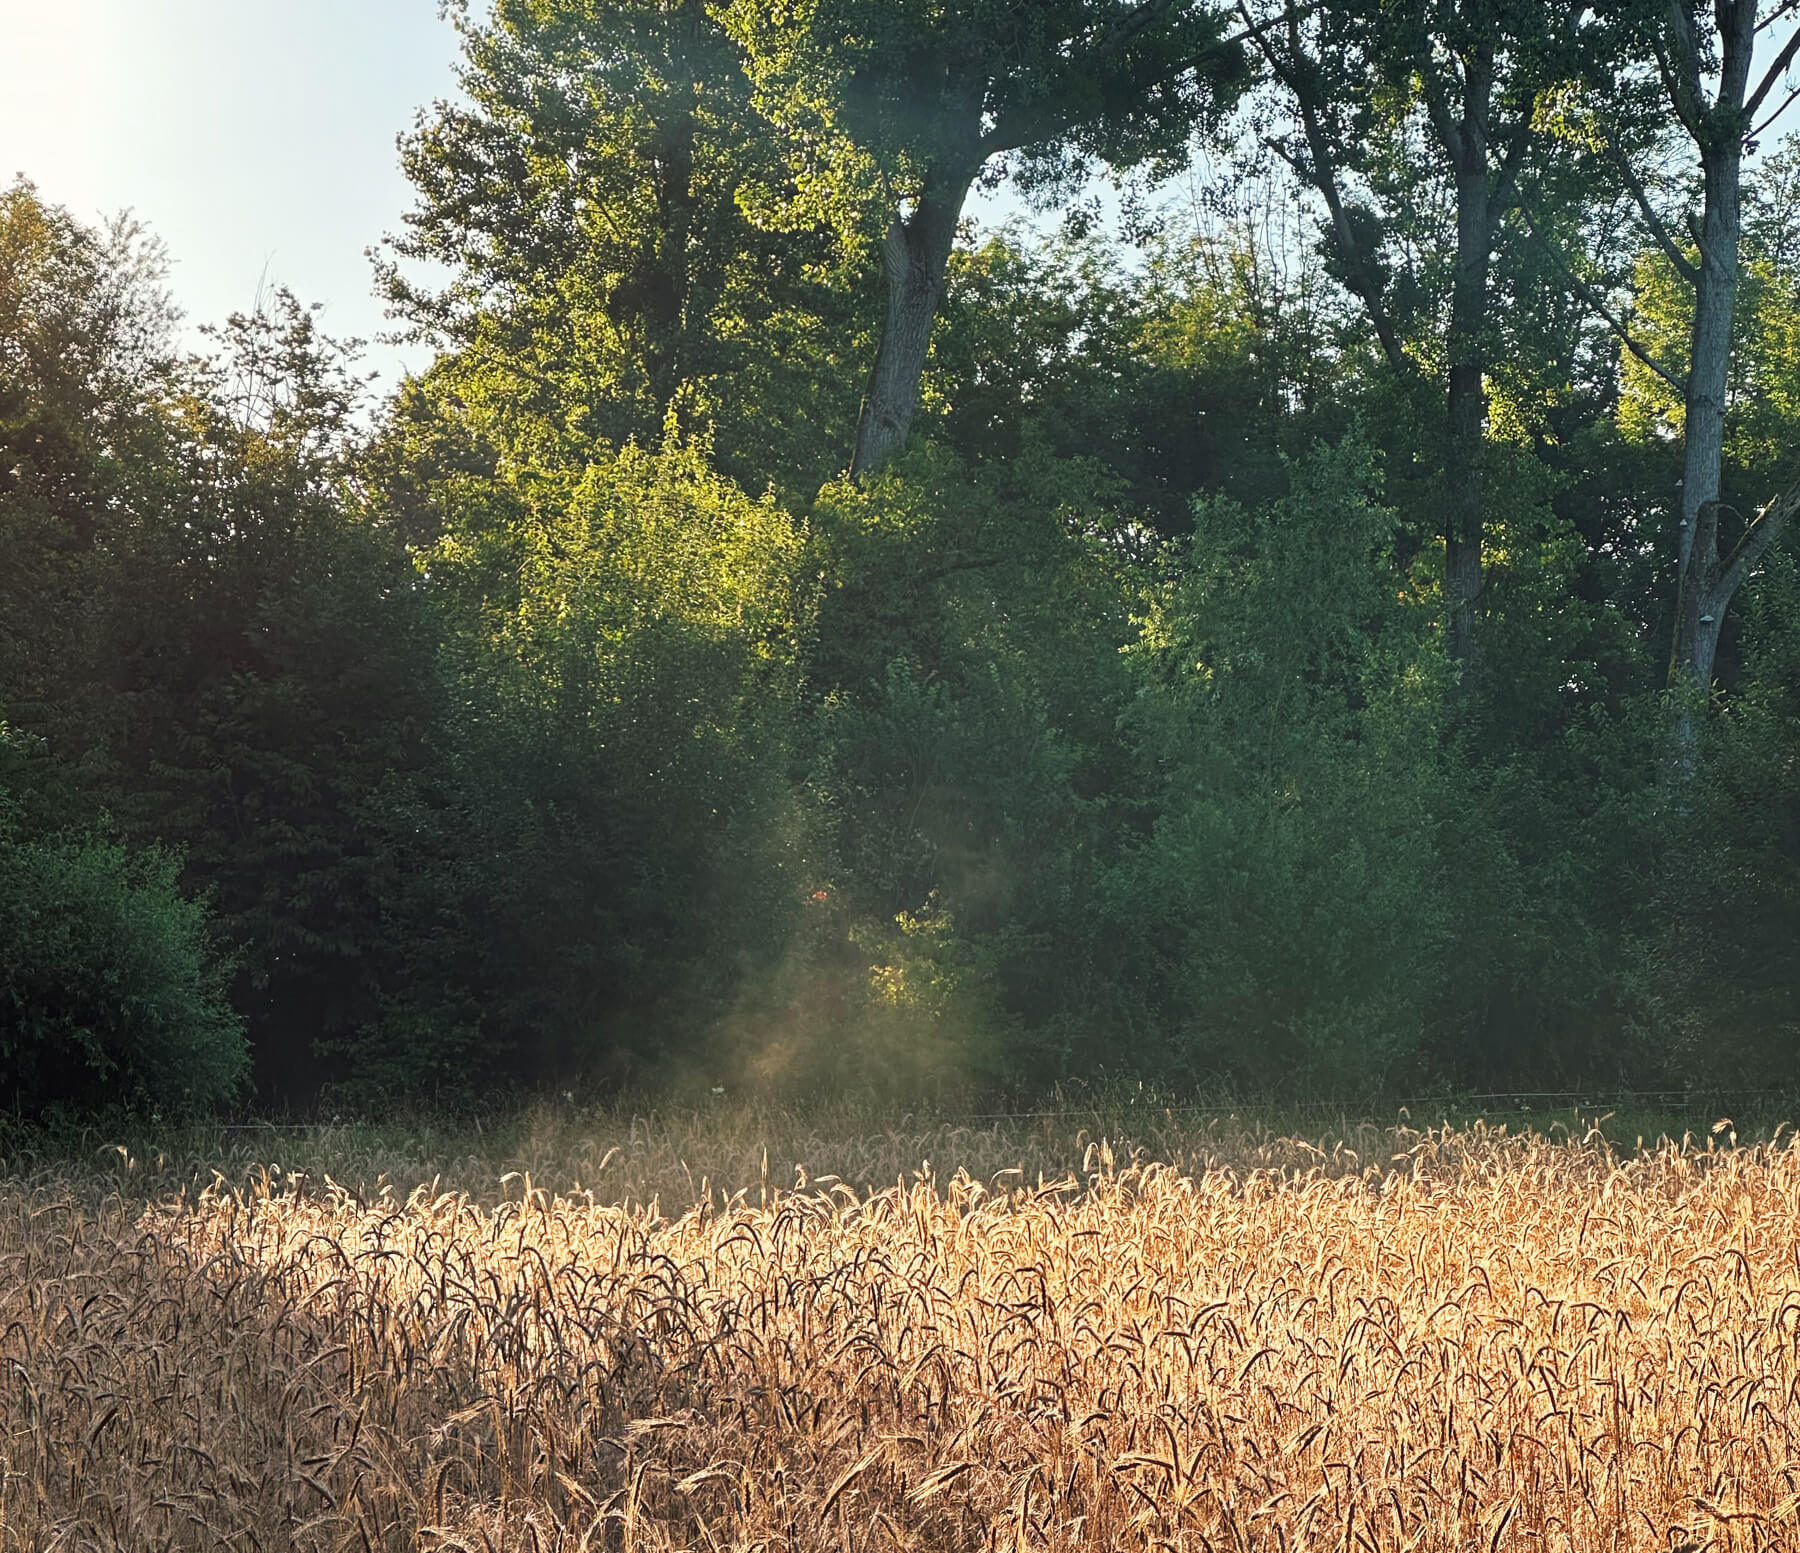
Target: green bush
<point>604,843</point>
<point>1283,919</point>
<point>109,992</point>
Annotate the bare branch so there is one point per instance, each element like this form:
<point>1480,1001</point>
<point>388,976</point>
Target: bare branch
<point>1786,9</point>
<point>1323,177</point>
<point>1665,239</point>
<point>1257,32</point>
<point>1777,68</point>
<point>1754,543</point>
<point>1599,305</point>
<point>1787,103</point>
<point>967,563</point>
<point>1254,31</point>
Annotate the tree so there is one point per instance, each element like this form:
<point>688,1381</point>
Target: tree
<point>903,107</point>
<point>1674,103</point>
<point>1756,436</point>
<point>1287,910</point>
<point>969,681</point>
<point>604,278</point>
<point>112,990</point>
<point>1189,373</point>
<point>85,356</point>
<point>260,665</point>
<point>608,845</point>
<point>1707,73</point>
<point>1415,124</point>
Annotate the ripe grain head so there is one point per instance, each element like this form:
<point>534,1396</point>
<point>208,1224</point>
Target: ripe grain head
<point>1434,1340</point>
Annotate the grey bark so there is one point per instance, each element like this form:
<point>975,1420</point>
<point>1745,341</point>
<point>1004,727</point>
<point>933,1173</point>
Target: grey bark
<point>1485,190</point>
<point>1709,583</point>
<point>1465,495</point>
<point>1706,580</point>
<point>915,255</point>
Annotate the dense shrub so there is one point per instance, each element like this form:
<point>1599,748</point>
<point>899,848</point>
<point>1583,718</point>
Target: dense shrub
<point>109,990</point>
<point>1282,921</point>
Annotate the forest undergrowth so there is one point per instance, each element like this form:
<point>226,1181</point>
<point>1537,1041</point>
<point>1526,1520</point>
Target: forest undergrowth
<point>684,1336</point>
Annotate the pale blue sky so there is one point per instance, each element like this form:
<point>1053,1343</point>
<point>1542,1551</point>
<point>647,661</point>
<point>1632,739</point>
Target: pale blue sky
<point>244,132</point>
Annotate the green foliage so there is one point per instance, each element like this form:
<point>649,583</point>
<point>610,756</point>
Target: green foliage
<point>83,349</point>
<point>1192,375</point>
<point>110,989</point>
<point>567,721</point>
<point>606,841</point>
<point>259,666</point>
<point>891,113</point>
<point>1763,410</point>
<point>1283,918</point>
<point>587,199</point>
<point>969,681</point>
<point>1762,422</point>
<point>889,90</point>
<point>1730,992</point>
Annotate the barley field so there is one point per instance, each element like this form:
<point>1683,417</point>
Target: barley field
<point>1451,1339</point>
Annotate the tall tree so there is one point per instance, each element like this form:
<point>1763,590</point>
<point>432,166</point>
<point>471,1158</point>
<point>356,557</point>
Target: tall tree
<point>1414,123</point>
<point>85,354</point>
<point>915,101</point>
<point>1706,60</point>
<point>587,197</point>
<point>1678,100</point>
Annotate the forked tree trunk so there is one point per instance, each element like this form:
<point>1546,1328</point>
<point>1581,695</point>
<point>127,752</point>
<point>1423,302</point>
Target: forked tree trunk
<point>1701,599</point>
<point>1705,582</point>
<point>915,256</point>
<point>1709,582</point>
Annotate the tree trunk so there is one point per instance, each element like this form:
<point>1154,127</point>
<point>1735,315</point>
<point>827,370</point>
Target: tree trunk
<point>668,288</point>
<point>1704,586</point>
<point>1465,475</point>
<point>1699,613</point>
<point>1715,299</point>
<point>914,256</point>
<point>1709,583</point>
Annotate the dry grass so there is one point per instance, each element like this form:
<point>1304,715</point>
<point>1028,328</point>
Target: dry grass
<point>1457,1340</point>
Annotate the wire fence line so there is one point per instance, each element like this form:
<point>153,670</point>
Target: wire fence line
<point>1513,1099</point>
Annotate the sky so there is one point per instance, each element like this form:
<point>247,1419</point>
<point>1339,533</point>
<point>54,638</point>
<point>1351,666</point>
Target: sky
<point>252,136</point>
